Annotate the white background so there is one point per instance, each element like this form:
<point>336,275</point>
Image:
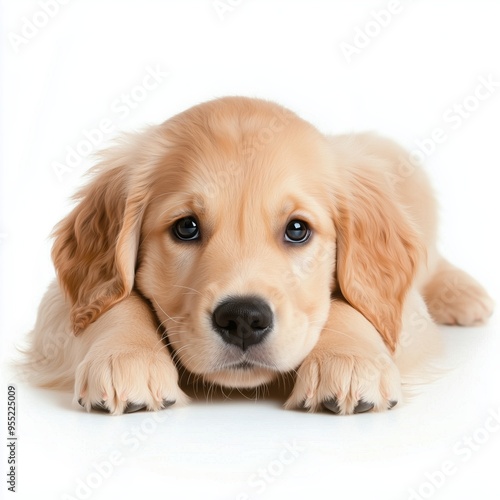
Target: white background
<point>65,77</point>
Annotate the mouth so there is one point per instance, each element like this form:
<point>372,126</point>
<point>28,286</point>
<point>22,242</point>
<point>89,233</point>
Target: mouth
<point>246,365</point>
<point>241,373</point>
<point>242,365</point>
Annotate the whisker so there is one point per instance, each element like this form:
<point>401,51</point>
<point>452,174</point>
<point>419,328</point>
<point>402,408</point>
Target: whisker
<point>165,313</point>
<point>189,288</point>
<point>166,344</point>
<point>195,368</point>
<point>340,332</point>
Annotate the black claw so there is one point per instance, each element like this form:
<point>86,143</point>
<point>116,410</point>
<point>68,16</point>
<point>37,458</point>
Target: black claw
<point>101,406</point>
<point>363,406</point>
<point>332,405</point>
<point>166,403</point>
<point>392,404</point>
<point>133,407</point>
<point>130,408</point>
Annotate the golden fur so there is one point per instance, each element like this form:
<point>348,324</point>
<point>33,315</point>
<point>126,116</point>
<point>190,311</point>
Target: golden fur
<point>351,306</point>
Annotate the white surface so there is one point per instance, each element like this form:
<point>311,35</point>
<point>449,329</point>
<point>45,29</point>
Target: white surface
<point>71,75</point>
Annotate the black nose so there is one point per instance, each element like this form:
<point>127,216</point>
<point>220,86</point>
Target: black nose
<point>243,321</point>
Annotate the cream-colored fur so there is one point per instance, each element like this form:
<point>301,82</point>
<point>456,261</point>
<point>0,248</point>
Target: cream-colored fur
<point>351,306</point>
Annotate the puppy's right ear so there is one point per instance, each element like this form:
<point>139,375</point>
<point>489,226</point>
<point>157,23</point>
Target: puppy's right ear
<point>95,246</point>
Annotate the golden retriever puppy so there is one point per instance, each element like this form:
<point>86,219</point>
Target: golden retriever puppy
<point>239,243</point>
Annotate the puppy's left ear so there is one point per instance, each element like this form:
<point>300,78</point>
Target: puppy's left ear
<point>378,251</point>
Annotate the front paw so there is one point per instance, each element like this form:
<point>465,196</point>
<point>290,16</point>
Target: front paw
<point>125,381</point>
<point>346,383</point>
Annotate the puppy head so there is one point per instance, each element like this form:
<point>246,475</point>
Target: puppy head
<point>226,219</point>
<point>237,254</point>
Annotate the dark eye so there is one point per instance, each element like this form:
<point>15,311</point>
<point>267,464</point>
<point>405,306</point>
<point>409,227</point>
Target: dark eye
<point>297,231</point>
<point>186,229</point>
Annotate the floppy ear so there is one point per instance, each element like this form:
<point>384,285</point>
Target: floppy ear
<point>96,245</point>
<point>378,252</point>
